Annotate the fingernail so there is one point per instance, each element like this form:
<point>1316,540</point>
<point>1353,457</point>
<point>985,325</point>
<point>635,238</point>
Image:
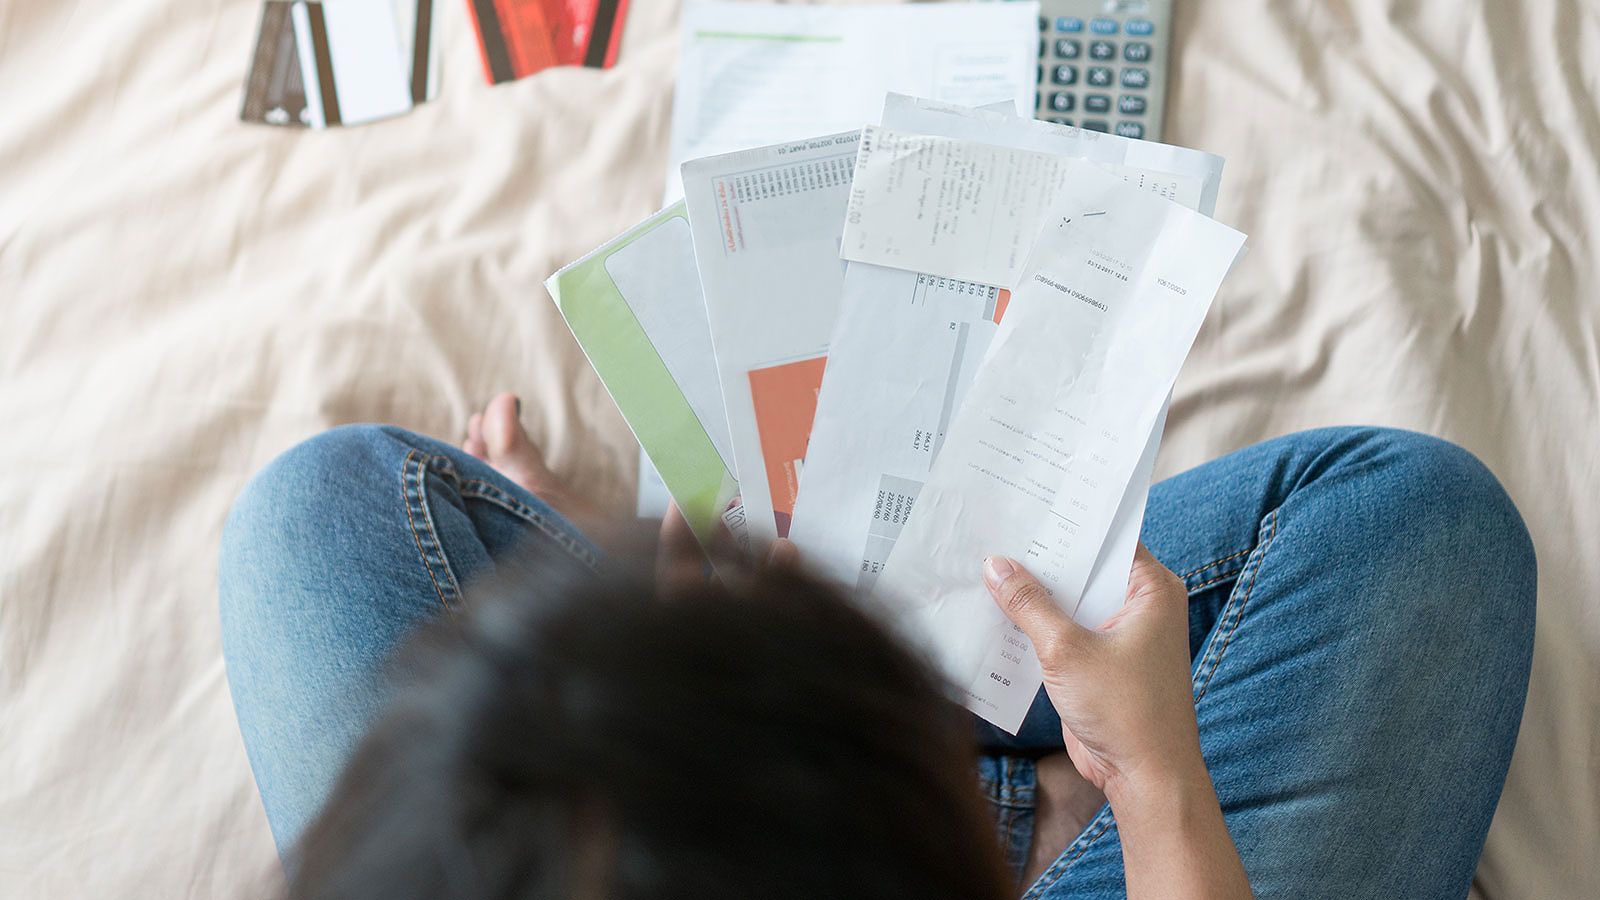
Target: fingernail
<point>783,553</point>
<point>996,569</point>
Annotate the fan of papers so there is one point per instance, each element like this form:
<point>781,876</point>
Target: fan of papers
<point>913,345</point>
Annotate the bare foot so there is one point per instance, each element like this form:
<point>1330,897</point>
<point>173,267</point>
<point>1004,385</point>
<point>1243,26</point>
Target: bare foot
<point>1065,805</point>
<point>497,437</point>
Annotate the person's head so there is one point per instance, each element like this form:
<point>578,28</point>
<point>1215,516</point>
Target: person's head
<point>593,738</point>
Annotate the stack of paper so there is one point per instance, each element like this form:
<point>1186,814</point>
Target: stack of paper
<point>754,75</point>
<point>917,344</point>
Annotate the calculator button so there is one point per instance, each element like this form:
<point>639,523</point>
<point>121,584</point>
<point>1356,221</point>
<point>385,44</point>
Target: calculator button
<point>1061,101</point>
<point>1040,79</point>
<point>1099,76</point>
<point>1064,75</point>
<point>1094,125</point>
<point>1069,24</point>
<point>1060,121</point>
<point>1130,105</point>
<point>1102,50</point>
<point>1044,24</point>
<point>1141,27</point>
<point>1136,52</point>
<point>1131,78</point>
<point>1067,48</point>
<point>1130,130</point>
<point>1103,26</point>
<point>1096,103</point>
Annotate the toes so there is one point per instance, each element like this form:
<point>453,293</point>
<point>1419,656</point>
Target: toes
<point>474,444</point>
<point>502,428</point>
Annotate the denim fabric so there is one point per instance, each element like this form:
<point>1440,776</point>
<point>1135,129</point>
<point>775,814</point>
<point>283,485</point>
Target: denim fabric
<point>330,557</point>
<point>1361,606</point>
<point>1361,621</point>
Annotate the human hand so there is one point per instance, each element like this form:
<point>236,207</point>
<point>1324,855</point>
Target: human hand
<point>681,561</point>
<point>1123,690</point>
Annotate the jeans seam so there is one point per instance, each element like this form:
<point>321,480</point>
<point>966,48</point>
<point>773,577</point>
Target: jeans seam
<point>1223,577</point>
<point>479,489</point>
<point>1235,610</point>
<point>1103,821</point>
<point>1091,833</point>
<point>413,481</point>
<point>1216,562</point>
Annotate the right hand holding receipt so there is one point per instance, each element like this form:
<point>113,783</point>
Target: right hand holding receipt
<point>1127,710</point>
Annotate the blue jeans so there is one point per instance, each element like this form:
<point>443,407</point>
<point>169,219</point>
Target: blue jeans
<point>1361,625</point>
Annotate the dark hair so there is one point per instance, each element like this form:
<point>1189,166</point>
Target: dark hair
<point>594,737</point>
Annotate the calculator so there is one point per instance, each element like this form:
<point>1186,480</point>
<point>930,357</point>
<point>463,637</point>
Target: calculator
<point>1103,65</point>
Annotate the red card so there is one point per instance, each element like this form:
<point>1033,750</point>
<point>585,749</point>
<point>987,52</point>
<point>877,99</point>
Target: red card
<point>520,37</point>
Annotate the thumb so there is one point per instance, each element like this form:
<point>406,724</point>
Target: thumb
<point>1029,606</point>
<point>1149,579</point>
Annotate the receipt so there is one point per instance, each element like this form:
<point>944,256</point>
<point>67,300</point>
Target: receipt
<point>905,351</point>
<point>753,74</point>
<point>1054,425</point>
<point>964,209</point>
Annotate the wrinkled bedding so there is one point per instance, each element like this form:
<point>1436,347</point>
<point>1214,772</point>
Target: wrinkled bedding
<point>183,296</point>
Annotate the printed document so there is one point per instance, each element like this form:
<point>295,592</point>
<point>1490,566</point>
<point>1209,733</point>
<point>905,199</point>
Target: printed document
<point>966,209</point>
<point>632,304</point>
<point>905,350</point>
<point>1054,424</point>
<point>766,226</point>
<point>751,75</point>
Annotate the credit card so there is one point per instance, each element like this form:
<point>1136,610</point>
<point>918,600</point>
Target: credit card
<point>362,60</point>
<point>274,93</point>
<point>417,23</point>
<point>520,37</point>
<point>350,61</point>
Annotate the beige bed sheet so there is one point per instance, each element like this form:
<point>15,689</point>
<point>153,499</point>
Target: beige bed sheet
<point>183,296</point>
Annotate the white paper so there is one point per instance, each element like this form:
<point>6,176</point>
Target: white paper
<point>653,498</point>
<point>903,354</point>
<point>989,126</point>
<point>766,226</point>
<point>754,74</point>
<point>657,277</point>
<point>1055,425</point>
<point>961,208</point>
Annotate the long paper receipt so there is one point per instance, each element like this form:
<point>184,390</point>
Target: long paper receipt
<point>907,345</point>
<point>1107,306</point>
<point>965,210</point>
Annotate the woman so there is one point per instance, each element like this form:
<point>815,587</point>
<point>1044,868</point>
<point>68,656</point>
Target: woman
<point>1321,702</point>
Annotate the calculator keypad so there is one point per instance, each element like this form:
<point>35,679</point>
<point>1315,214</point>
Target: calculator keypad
<point>1101,65</point>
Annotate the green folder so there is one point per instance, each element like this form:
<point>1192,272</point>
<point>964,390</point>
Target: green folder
<point>635,306</point>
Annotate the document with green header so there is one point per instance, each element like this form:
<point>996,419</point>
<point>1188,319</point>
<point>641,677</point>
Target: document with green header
<point>635,306</point>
